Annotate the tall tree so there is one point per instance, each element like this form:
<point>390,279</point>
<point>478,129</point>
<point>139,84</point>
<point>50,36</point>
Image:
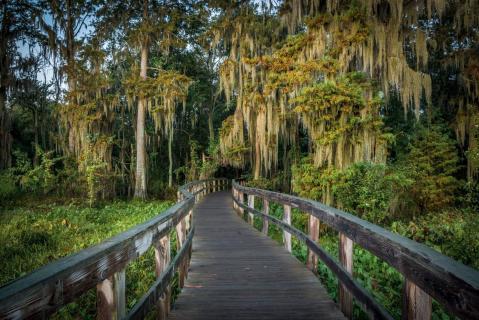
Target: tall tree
<point>141,169</point>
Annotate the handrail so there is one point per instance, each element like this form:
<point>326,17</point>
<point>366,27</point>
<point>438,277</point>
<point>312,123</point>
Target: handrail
<point>48,288</point>
<point>427,272</point>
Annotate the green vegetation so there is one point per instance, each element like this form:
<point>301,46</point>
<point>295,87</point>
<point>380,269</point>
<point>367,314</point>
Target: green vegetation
<point>368,106</point>
<point>35,234</point>
<point>39,233</point>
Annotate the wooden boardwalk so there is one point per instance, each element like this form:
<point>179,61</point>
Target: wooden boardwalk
<point>236,272</point>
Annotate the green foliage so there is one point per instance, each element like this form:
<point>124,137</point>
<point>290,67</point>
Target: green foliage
<point>432,162</point>
<point>41,178</point>
<point>8,187</point>
<point>262,183</point>
<point>309,181</point>
<point>37,234</point>
<point>34,236</point>
<point>368,190</point>
<point>452,232</point>
<point>211,161</point>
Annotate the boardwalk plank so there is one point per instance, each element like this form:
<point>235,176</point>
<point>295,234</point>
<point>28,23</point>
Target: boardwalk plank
<point>236,272</point>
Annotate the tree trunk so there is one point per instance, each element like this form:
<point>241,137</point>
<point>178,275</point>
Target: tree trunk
<point>210,125</point>
<point>140,178</point>
<point>5,136</point>
<point>257,162</point>
<point>170,159</point>
<point>70,46</point>
<point>35,120</point>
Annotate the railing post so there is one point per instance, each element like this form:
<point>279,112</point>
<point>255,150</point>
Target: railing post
<point>287,219</point>
<point>180,240</point>
<point>251,205</point>
<point>111,297</point>
<point>417,304</point>
<point>266,212</point>
<point>241,200</point>
<point>162,259</point>
<point>235,196</point>
<point>346,260</point>
<point>313,230</point>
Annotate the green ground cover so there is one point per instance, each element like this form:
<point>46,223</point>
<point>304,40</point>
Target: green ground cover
<point>35,234</point>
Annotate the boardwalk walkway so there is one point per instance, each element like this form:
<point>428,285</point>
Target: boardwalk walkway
<point>236,272</point>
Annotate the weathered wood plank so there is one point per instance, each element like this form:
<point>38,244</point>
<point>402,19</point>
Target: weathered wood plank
<point>237,272</point>
<point>162,259</point>
<point>266,212</point>
<point>417,304</point>
<point>287,220</point>
<point>451,283</point>
<point>369,304</point>
<point>346,260</point>
<point>251,205</point>
<point>111,297</point>
<point>45,290</point>
<point>313,230</point>
<point>150,299</point>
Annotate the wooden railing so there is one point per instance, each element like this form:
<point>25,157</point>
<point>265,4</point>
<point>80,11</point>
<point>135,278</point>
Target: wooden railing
<point>427,273</point>
<point>47,289</point>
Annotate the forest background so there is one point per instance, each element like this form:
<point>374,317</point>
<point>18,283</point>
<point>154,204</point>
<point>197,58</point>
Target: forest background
<point>369,106</point>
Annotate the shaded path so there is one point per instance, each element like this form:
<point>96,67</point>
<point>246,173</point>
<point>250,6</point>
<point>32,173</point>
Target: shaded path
<point>236,272</point>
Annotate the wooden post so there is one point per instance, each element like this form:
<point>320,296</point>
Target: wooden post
<point>346,260</point>
<point>287,219</point>
<point>235,195</point>
<point>180,240</point>
<point>162,259</point>
<point>111,297</point>
<point>188,218</point>
<point>313,230</point>
<point>241,200</point>
<point>417,304</point>
<point>265,211</point>
<point>251,205</point>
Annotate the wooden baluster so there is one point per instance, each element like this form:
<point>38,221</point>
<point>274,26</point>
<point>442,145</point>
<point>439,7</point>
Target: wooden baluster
<point>111,297</point>
<point>313,230</point>
<point>214,186</point>
<point>235,196</point>
<point>188,218</point>
<point>162,259</point>
<point>180,240</point>
<point>417,304</point>
<point>346,260</point>
<point>287,219</point>
<point>251,205</point>
<point>241,200</point>
<point>266,212</point>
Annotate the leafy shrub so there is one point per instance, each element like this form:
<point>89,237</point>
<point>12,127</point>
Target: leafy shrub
<point>432,162</point>
<point>309,181</point>
<point>8,187</point>
<point>368,190</point>
<point>452,232</point>
<point>40,178</point>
